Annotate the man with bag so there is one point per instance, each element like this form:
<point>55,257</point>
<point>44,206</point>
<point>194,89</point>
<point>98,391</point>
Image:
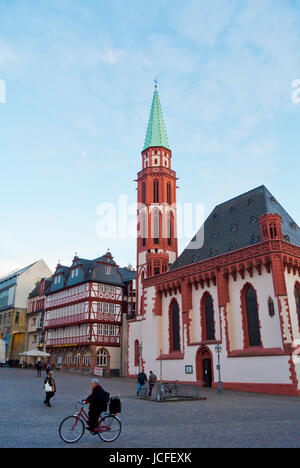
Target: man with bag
<point>152,381</point>
<point>142,379</point>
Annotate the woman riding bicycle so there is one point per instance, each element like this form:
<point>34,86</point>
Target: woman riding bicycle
<point>98,400</point>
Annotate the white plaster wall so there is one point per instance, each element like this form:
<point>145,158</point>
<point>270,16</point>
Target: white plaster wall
<point>195,313</point>
<point>290,284</point>
<point>270,327</point>
<point>27,280</point>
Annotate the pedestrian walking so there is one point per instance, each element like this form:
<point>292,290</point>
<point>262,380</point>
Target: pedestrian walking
<point>142,379</point>
<point>39,366</point>
<point>50,388</point>
<point>152,381</point>
<point>48,368</point>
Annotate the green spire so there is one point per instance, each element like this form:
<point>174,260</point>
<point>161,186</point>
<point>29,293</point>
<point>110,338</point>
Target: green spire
<point>156,132</point>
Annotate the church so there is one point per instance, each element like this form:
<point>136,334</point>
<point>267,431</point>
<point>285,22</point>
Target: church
<point>226,311</point>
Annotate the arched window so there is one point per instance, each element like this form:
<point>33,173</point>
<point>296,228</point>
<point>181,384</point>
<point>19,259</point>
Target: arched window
<point>174,327</point>
<point>169,199</point>
<point>156,226</point>
<point>170,229</point>
<point>209,318</point>
<point>297,297</point>
<point>143,193</point>
<point>102,358</point>
<point>252,319</point>
<point>155,191</point>
<point>144,229</point>
<point>136,353</point>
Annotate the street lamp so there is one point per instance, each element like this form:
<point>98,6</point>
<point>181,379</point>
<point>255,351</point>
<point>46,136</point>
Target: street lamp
<point>218,349</point>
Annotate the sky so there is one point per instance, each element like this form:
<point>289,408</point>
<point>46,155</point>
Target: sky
<point>76,86</point>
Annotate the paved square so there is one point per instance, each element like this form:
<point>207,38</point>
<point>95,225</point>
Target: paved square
<point>230,420</point>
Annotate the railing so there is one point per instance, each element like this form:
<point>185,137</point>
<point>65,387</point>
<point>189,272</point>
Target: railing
<point>75,340</point>
<point>65,321</point>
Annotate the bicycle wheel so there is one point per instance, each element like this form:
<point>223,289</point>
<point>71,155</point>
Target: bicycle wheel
<point>71,429</point>
<point>109,428</point>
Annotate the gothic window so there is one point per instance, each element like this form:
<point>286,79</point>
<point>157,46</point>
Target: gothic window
<point>144,229</point>
<point>143,193</point>
<point>136,353</point>
<point>297,296</point>
<point>271,308</point>
<point>155,192</point>
<point>174,327</point>
<point>252,317</point>
<point>170,233</point>
<point>169,200</point>
<point>156,227</point>
<point>209,318</point>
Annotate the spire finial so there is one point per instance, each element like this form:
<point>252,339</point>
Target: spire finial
<point>156,82</point>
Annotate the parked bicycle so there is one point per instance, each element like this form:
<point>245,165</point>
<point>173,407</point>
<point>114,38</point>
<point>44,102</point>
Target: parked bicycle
<point>172,389</point>
<point>73,427</point>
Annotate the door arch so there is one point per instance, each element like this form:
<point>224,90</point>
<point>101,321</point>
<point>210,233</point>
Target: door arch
<point>204,367</point>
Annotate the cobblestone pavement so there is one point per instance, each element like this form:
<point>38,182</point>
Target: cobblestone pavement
<point>231,419</point>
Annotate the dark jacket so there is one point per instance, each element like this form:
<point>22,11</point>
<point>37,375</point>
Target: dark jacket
<point>142,378</point>
<point>98,398</point>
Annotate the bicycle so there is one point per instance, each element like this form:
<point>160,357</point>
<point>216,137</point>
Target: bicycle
<point>73,427</point>
<point>172,389</point>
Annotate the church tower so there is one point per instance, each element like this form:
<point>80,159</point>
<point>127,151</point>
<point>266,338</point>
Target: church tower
<point>156,196</point>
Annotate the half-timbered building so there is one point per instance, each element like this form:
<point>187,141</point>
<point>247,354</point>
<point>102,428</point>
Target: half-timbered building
<point>227,310</point>
<point>86,309</point>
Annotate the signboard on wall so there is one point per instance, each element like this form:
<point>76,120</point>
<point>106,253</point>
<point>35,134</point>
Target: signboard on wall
<point>189,369</point>
<point>98,371</point>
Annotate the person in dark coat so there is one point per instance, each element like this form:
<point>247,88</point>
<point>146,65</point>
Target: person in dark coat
<point>142,379</point>
<point>39,366</point>
<point>50,380</point>
<point>48,368</point>
<point>98,400</point>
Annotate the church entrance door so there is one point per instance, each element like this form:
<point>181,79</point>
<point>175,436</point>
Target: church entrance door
<point>204,367</point>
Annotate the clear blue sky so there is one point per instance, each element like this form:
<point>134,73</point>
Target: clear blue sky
<point>79,84</point>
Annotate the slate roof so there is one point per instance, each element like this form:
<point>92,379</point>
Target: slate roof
<point>235,224</point>
<point>35,292</point>
<point>94,270</point>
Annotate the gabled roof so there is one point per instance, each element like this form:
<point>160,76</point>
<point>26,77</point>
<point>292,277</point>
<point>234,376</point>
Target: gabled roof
<point>11,278</point>
<point>156,133</point>
<point>92,270</point>
<point>235,224</point>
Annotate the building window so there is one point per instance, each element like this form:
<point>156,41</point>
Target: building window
<point>208,323</point>
<point>111,308</point>
<point>100,308</point>
<point>252,318</point>
<point>87,359</point>
<point>108,270</point>
<point>174,327</point>
<point>271,308</point>
<point>136,353</point>
<point>143,193</point>
<point>297,296</point>
<point>155,191</point>
<point>102,358</point>
<point>169,199</point>
<point>17,318</point>
<point>156,227</point>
